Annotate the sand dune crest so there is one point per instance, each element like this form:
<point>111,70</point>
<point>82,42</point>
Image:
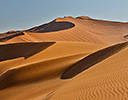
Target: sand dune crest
<point>92,59</point>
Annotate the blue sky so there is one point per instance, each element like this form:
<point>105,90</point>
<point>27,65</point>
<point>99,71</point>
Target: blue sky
<point>24,14</point>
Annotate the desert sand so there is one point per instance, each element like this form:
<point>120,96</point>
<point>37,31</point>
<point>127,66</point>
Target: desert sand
<point>66,59</point>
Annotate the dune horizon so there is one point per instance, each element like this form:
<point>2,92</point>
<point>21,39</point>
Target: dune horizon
<point>66,59</point>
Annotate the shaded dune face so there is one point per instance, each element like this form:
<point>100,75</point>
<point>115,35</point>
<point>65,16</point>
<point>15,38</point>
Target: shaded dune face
<point>12,51</point>
<point>91,60</point>
<point>126,36</point>
<point>31,73</point>
<point>52,27</point>
<point>9,35</point>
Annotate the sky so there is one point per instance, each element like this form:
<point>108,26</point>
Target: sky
<point>25,14</point>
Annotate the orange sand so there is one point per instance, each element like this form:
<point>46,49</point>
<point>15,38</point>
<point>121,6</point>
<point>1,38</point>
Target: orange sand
<point>67,59</point>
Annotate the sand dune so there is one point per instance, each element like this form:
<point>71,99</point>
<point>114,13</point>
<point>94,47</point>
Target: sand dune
<point>106,80</point>
<point>92,59</point>
<point>35,71</point>
<point>12,51</point>
<point>53,51</point>
<point>52,26</point>
<point>67,59</point>
<point>43,66</point>
<point>9,35</point>
<point>83,29</point>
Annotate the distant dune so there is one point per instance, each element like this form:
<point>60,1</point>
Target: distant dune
<point>82,29</point>
<point>66,59</point>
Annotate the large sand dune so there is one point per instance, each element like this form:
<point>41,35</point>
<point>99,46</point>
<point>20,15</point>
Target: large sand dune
<point>67,59</point>
<point>82,29</point>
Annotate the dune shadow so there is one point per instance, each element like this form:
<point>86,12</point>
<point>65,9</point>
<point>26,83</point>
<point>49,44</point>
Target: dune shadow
<point>8,36</point>
<point>16,50</point>
<point>49,27</point>
<point>52,27</point>
<point>126,36</point>
<point>91,60</point>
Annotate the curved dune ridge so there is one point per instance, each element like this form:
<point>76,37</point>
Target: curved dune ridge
<point>66,59</point>
<point>92,59</point>
<point>53,26</point>
<point>35,71</point>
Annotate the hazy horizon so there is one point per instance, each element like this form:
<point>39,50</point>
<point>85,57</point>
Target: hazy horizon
<point>22,14</point>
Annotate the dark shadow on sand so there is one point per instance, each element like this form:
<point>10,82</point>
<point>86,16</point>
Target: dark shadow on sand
<point>52,27</point>
<point>16,50</point>
<point>49,27</point>
<point>91,60</point>
<point>8,36</point>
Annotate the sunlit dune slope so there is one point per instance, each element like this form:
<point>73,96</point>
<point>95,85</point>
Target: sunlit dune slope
<point>92,59</point>
<point>48,63</point>
<point>83,29</point>
<point>106,80</point>
<point>16,54</point>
